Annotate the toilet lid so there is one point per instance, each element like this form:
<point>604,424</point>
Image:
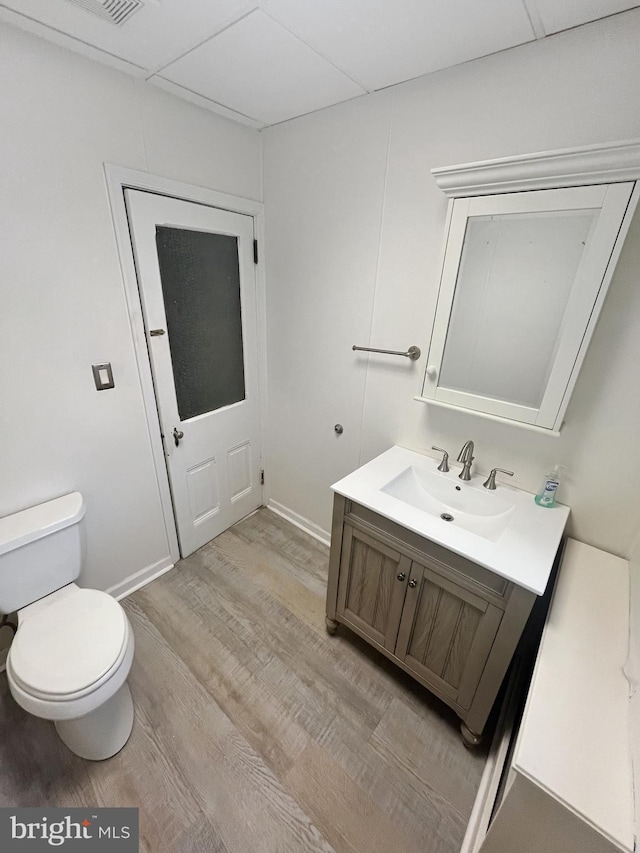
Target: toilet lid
<point>66,647</point>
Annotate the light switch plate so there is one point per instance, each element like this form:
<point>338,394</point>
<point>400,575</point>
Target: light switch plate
<point>103,376</point>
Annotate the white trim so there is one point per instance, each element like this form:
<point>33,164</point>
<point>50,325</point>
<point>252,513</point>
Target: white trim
<point>261,308</point>
<point>301,522</point>
<point>568,167</point>
<point>117,179</point>
<point>597,306</point>
<point>139,579</point>
<point>497,418</point>
<point>136,179</point>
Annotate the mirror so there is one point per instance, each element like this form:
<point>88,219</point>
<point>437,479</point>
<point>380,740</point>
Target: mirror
<point>490,316</point>
<point>523,278</point>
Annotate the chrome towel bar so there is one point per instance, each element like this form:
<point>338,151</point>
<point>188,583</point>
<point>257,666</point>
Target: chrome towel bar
<point>413,352</point>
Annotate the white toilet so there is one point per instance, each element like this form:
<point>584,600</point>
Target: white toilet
<point>72,652</point>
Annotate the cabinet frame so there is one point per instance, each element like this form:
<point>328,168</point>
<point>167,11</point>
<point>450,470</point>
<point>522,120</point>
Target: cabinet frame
<point>388,638</point>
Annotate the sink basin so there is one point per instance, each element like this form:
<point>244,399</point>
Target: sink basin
<point>476,509</point>
<point>503,530</point>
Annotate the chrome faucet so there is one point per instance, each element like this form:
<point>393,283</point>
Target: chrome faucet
<point>466,457</point>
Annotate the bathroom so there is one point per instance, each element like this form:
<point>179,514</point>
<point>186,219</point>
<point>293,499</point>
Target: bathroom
<point>352,244</point>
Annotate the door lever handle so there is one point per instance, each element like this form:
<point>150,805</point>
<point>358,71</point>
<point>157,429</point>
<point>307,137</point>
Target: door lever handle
<point>177,435</point>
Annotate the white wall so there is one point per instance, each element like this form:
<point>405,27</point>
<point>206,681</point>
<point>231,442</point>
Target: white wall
<point>62,296</point>
<point>354,235</point>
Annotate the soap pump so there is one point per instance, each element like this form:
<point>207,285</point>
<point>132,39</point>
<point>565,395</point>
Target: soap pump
<point>546,496</point>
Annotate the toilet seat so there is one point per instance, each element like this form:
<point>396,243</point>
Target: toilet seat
<point>69,647</point>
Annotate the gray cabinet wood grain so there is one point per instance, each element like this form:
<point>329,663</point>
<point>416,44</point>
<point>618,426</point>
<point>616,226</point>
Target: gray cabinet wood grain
<point>371,586</point>
<point>452,625</point>
<point>446,634</point>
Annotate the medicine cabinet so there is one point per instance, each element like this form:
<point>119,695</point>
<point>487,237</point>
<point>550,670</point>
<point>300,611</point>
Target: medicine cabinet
<point>527,263</point>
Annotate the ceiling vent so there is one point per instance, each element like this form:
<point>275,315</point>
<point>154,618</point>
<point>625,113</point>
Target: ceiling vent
<point>114,11</point>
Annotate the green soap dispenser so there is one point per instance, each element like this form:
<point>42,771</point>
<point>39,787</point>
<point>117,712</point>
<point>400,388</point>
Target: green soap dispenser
<point>546,497</point>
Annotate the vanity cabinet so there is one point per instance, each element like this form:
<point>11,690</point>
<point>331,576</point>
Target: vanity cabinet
<point>451,624</point>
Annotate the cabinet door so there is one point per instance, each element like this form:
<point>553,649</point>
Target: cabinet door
<point>523,280</point>
<point>446,634</point>
<point>371,590</point>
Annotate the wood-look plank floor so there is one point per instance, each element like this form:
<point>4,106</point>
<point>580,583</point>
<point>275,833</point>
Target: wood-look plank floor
<point>254,730</point>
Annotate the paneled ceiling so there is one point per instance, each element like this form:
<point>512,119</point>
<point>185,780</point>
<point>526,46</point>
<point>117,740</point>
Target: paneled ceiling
<point>265,61</point>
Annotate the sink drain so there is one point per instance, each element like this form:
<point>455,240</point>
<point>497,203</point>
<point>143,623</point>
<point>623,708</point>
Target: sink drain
<point>446,517</point>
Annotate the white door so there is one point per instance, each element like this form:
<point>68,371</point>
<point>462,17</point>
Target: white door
<point>196,277</point>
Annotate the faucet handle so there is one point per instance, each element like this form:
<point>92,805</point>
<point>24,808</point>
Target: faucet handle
<point>490,482</point>
<point>444,465</point>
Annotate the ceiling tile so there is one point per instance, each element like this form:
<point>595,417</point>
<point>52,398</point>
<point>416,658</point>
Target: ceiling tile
<point>201,101</point>
<point>379,43</point>
<point>264,61</point>
<point>154,36</point>
<point>257,68</point>
<point>559,15</point>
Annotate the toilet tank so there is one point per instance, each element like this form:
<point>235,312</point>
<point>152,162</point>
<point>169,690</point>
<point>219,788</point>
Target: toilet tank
<point>41,550</point>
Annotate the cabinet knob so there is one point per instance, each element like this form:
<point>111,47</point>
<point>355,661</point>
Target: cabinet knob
<point>401,576</point>
<point>413,582</point>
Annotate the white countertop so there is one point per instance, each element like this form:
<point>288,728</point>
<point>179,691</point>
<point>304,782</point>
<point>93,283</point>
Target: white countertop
<point>574,737</point>
<point>523,553</point>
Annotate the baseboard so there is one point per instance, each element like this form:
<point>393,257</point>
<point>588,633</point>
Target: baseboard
<point>140,579</point>
<point>300,521</point>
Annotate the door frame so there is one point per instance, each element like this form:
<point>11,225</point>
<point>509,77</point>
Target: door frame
<point>119,178</point>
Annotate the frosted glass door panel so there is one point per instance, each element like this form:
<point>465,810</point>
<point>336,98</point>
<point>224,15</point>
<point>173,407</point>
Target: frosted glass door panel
<point>514,282</point>
<point>201,292</point>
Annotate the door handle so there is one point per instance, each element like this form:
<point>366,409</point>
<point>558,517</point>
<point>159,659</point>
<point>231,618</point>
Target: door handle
<point>177,435</point>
